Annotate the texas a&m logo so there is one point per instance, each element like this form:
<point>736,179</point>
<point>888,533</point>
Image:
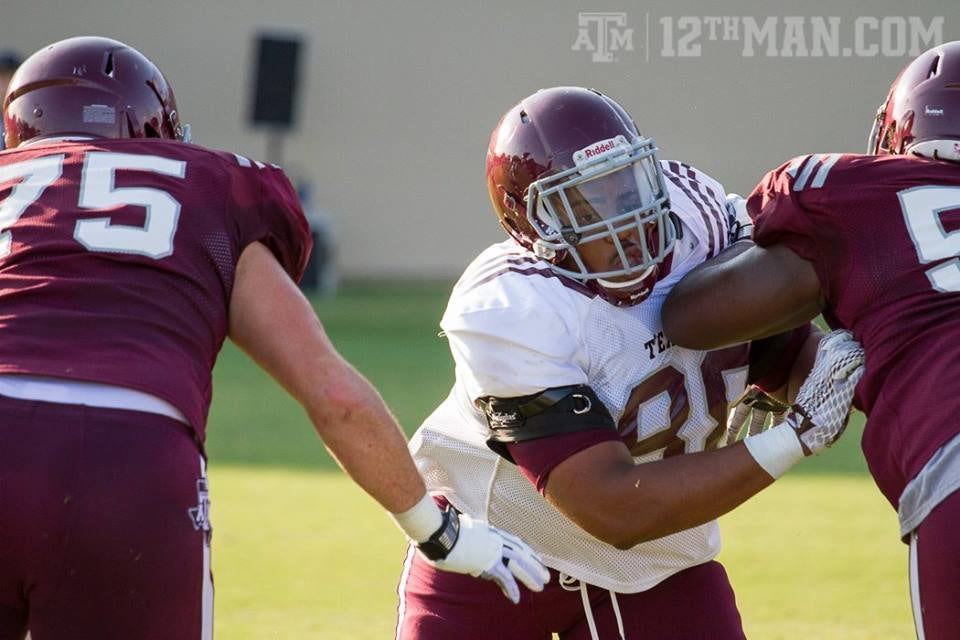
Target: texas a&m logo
<point>603,33</point>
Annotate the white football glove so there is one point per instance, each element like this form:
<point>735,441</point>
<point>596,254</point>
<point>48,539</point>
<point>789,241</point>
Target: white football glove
<point>483,551</point>
<point>819,413</point>
<point>739,223</point>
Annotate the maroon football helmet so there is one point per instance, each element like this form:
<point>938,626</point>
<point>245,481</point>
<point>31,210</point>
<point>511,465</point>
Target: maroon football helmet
<point>567,167</point>
<point>89,86</point>
<point>921,114</point>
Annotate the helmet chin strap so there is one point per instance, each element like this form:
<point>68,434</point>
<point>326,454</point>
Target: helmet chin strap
<point>625,284</point>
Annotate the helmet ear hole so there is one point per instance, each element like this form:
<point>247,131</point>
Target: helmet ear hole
<point>510,202</point>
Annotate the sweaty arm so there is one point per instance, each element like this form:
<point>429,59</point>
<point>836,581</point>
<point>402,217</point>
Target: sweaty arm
<point>274,323</point>
<point>624,504</point>
<point>744,293</point>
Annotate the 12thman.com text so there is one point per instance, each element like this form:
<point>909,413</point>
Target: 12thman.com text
<point>606,34</point>
<point>802,36</point>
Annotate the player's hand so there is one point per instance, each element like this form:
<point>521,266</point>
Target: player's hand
<point>486,552</point>
<point>739,223</point>
<point>819,414</point>
<point>752,413</point>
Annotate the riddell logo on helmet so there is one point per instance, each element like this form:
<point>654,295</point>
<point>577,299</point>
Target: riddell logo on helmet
<point>599,148</point>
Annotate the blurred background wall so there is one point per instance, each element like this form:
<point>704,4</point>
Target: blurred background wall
<point>397,99</point>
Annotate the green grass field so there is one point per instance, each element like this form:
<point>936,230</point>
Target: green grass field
<point>300,552</point>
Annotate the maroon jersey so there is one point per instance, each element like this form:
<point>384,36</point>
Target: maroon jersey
<point>117,259</point>
<point>882,234</point>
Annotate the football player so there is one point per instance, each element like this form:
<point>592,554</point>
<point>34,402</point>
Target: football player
<point>870,241</point>
<point>126,257</point>
<point>565,382</point>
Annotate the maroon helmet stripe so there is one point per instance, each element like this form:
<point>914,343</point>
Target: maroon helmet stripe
<point>534,271</point>
<point>719,213</point>
<point>673,176</point>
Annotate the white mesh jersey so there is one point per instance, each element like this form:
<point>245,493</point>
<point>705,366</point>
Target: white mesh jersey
<point>515,327</point>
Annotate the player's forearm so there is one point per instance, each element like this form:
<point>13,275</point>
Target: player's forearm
<point>698,313</point>
<point>625,504</point>
<point>346,411</point>
<point>690,490</point>
<point>745,293</point>
<point>365,439</point>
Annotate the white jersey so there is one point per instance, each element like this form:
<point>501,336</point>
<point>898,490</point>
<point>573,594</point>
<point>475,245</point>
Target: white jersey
<point>516,327</point>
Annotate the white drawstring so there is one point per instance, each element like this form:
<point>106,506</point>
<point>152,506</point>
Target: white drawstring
<point>616,612</point>
<point>569,583</point>
<point>587,609</point>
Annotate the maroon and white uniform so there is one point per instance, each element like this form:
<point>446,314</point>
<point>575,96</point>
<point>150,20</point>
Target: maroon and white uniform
<point>517,327</point>
<point>117,260</point>
<point>883,233</point>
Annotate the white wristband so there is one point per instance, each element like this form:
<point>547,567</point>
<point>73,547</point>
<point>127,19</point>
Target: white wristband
<point>776,449</point>
<point>421,520</point>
